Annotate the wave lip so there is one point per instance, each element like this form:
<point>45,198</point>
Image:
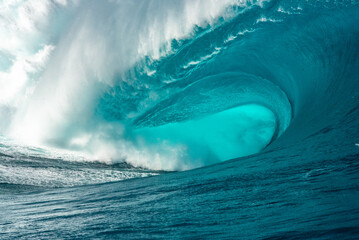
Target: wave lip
<point>119,82</point>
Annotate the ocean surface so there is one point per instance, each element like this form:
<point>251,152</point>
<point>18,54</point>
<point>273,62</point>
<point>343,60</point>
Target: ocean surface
<point>183,119</point>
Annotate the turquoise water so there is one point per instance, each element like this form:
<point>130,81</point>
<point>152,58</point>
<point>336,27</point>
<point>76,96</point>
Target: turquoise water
<point>225,135</point>
<point>179,119</point>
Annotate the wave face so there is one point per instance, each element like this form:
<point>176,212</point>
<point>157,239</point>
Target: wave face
<point>152,90</point>
<point>111,89</point>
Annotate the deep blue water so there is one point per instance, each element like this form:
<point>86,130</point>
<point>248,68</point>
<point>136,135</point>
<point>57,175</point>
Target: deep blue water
<point>186,122</point>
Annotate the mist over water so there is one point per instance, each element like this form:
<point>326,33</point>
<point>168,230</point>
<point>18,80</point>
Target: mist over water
<point>134,119</point>
<point>86,76</point>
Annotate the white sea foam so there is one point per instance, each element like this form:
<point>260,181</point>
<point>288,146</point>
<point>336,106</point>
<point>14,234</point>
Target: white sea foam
<point>265,19</point>
<point>202,59</point>
<point>57,68</point>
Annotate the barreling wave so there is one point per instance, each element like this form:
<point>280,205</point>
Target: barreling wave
<point>259,99</point>
<point>175,85</point>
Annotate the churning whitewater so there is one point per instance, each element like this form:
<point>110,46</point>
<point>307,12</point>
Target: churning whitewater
<point>179,119</point>
<point>91,77</point>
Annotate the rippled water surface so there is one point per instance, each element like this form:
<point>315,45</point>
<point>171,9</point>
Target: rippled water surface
<point>179,119</point>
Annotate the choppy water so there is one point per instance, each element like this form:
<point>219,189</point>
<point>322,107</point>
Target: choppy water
<point>124,98</point>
